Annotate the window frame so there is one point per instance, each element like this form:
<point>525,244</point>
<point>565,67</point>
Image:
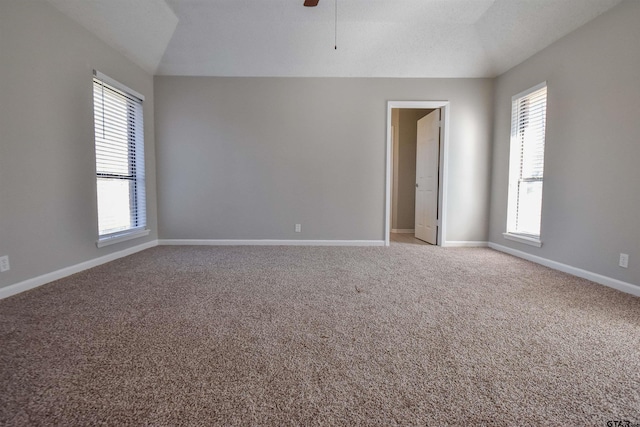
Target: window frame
<point>515,169</point>
<point>136,168</point>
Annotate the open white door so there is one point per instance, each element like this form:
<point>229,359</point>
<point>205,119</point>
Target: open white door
<point>427,155</point>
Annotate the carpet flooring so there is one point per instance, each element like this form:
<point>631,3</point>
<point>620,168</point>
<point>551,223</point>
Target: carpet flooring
<point>405,335</point>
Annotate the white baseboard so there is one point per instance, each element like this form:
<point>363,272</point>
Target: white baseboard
<point>403,230</point>
<point>464,244</point>
<point>268,242</point>
<point>575,271</point>
<point>68,271</point>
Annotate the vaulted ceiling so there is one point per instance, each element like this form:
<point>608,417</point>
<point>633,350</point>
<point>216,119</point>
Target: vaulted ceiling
<point>375,38</point>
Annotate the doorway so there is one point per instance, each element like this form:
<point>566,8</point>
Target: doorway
<point>401,178</point>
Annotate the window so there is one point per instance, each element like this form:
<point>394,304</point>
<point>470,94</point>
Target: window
<point>119,143</point>
<point>526,165</point>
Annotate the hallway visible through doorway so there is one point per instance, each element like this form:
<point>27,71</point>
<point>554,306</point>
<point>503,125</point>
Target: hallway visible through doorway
<point>401,181</point>
<point>405,238</point>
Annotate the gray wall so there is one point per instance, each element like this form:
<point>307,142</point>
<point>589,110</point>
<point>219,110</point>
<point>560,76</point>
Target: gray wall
<point>591,202</point>
<point>247,158</point>
<point>48,214</point>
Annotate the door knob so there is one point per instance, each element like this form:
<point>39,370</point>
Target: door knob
<point>417,185</point>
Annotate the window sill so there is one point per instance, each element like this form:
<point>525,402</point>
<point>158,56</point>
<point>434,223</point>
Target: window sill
<point>521,238</point>
<point>122,237</point>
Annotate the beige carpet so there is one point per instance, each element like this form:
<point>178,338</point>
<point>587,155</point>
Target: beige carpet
<point>406,335</point>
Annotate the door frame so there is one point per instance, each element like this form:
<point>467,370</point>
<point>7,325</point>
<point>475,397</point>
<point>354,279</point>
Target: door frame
<point>443,165</point>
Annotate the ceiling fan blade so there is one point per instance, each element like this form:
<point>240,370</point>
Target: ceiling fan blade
<point>310,3</point>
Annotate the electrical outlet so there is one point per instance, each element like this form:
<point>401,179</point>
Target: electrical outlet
<point>624,261</point>
<point>4,264</point>
<point>298,228</point>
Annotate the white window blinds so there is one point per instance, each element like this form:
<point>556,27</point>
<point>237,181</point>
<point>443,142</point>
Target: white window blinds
<point>119,143</point>
<point>528,122</point>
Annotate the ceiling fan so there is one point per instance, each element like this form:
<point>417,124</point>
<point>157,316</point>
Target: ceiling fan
<point>314,3</point>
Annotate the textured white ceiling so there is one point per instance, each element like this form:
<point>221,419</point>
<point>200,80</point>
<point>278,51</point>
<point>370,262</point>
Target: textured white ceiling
<point>376,38</point>
<point>139,29</point>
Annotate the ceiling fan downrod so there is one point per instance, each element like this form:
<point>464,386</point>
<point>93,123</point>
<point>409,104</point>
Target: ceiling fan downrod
<point>314,3</point>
